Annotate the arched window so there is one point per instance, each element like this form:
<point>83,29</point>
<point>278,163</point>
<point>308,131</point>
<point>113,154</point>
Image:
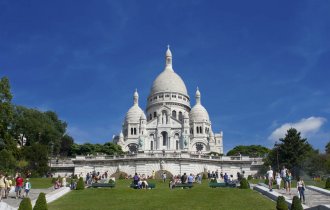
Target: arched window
<point>191,131</point>
<point>131,131</point>
<point>197,129</point>
<point>134,131</point>
<point>200,129</point>
<point>177,145</point>
<point>150,116</point>
<point>180,116</point>
<point>155,114</point>
<point>151,145</point>
<point>164,134</point>
<point>174,114</point>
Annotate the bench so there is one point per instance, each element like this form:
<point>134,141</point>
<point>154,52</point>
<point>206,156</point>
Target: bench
<point>150,186</point>
<point>111,185</point>
<point>185,185</point>
<point>221,184</point>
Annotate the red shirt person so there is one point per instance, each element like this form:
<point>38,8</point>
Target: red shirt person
<point>19,185</point>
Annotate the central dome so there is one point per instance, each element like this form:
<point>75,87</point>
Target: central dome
<point>168,80</point>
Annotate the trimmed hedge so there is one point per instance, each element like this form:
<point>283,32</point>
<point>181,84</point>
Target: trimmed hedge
<point>296,204</point>
<point>327,183</point>
<point>80,184</point>
<point>250,177</point>
<point>41,203</point>
<point>244,184</point>
<point>25,204</point>
<point>281,204</point>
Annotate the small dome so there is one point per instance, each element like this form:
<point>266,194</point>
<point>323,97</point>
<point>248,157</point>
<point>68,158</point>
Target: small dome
<point>198,113</point>
<point>134,114</point>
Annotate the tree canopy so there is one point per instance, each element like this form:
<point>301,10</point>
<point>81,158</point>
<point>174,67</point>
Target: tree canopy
<point>251,150</point>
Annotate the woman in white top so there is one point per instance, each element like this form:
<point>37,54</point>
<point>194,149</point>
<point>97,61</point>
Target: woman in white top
<point>301,189</point>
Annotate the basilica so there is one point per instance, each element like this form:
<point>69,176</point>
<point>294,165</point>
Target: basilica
<point>169,124</point>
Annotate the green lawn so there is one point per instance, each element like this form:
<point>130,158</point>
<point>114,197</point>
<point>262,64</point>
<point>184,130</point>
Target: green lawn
<point>41,183</point>
<point>199,197</point>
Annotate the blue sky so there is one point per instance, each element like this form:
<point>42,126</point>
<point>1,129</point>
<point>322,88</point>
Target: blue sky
<point>261,66</point>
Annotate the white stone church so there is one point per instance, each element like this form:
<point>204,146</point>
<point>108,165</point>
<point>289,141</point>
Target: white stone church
<point>169,123</point>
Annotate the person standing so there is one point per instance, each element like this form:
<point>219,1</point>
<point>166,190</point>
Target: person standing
<point>301,189</point>
<point>190,179</point>
<point>278,180</point>
<point>27,187</point>
<point>64,181</point>
<point>153,174</point>
<point>19,185</point>
<point>288,181</point>
<point>164,177</point>
<point>283,176</point>
<point>9,183</point>
<point>270,176</point>
<point>2,186</point>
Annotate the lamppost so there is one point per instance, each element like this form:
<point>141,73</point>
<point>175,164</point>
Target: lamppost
<point>276,146</point>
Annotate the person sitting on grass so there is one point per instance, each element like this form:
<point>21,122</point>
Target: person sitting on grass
<point>27,187</point>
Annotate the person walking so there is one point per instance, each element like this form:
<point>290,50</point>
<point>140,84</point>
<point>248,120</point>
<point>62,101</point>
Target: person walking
<point>164,177</point>
<point>270,176</point>
<point>301,189</point>
<point>27,187</point>
<point>19,185</point>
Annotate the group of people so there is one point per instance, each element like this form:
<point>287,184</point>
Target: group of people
<point>7,184</point>
<point>184,179</point>
<point>94,177</point>
<point>140,182</point>
<point>285,176</point>
<point>60,182</point>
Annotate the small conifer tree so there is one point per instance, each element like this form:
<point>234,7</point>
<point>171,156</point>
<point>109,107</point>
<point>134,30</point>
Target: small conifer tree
<point>327,183</point>
<point>281,204</point>
<point>25,204</point>
<point>296,204</point>
<point>244,184</point>
<point>41,203</point>
<point>80,184</point>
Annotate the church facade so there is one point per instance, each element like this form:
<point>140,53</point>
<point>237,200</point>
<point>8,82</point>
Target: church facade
<point>169,124</point>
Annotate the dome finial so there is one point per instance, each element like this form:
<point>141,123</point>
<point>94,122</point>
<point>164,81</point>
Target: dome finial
<point>198,96</point>
<point>168,57</point>
<point>136,97</point>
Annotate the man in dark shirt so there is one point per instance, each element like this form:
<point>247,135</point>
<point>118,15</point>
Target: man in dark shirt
<point>184,178</point>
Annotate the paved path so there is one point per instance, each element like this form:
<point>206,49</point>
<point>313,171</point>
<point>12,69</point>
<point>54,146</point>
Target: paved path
<point>34,193</point>
<point>313,198</point>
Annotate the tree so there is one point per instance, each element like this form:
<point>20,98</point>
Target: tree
<point>37,156</point>
<point>292,151</point>
<point>6,116</point>
<point>327,148</point>
<point>25,204</point>
<point>66,144</point>
<point>41,203</point>
<point>281,203</point>
<point>80,184</point>
<point>296,204</point>
<point>251,150</point>
<point>7,160</point>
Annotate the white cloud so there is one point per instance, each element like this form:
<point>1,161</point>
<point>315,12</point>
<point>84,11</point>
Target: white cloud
<point>305,126</point>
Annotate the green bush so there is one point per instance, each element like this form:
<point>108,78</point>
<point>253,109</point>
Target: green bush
<point>213,180</point>
<point>327,183</point>
<point>250,177</point>
<point>244,184</point>
<point>75,176</point>
<point>41,203</point>
<point>296,204</point>
<point>281,204</point>
<point>204,176</point>
<point>121,176</point>
<point>111,181</point>
<point>25,204</point>
<point>80,184</point>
